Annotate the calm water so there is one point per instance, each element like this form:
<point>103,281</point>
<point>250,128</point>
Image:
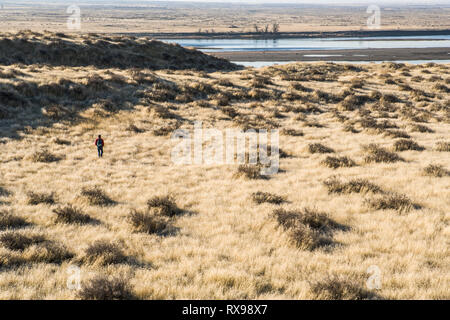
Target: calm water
<point>214,45</point>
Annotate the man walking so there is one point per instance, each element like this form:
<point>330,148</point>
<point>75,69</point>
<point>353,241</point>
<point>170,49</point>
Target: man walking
<point>100,144</point>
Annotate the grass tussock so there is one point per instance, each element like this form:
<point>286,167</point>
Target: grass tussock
<point>62,142</point>
<point>164,205</point>
<point>435,170</point>
<point>9,220</point>
<point>4,192</point>
<point>292,132</point>
<point>134,129</point>
<point>266,197</point>
<point>407,144</point>
<point>47,252</point>
<point>338,162</point>
<point>340,288</point>
<point>350,128</point>
<point>35,198</point>
<point>17,241</point>
<point>230,112</point>
<point>44,156</point>
<point>443,146</point>
<point>146,222</point>
<point>71,215</point>
<point>334,185</point>
<point>421,128</point>
<point>249,171</point>
<point>307,228</point>
<point>306,238</point>
<point>97,197</point>
<point>396,134</point>
<point>11,260</point>
<point>353,102</point>
<point>375,153</point>
<point>319,148</point>
<point>103,253</point>
<point>392,201</point>
<point>313,124</point>
<point>165,129</point>
<point>104,288</point>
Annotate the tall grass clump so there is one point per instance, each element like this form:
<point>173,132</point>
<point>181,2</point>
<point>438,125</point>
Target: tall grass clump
<point>9,220</point>
<point>435,170</point>
<point>392,201</point>
<point>442,146</point>
<point>266,197</point>
<point>421,128</point>
<point>249,171</point>
<point>47,252</point>
<point>35,198</point>
<point>407,144</point>
<point>146,222</point>
<point>165,205</point>
<point>19,241</point>
<point>338,162</point>
<point>308,229</point>
<point>97,197</point>
<point>319,148</point>
<point>334,185</point>
<point>44,156</point>
<point>70,214</point>
<point>340,288</point>
<point>103,252</point>
<point>106,288</point>
<point>375,153</point>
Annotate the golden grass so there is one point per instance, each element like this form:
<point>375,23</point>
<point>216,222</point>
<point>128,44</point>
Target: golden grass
<point>232,247</point>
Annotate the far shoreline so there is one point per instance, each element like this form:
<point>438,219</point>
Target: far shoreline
<point>291,35</point>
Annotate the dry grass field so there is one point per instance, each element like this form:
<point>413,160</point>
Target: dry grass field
<point>364,178</point>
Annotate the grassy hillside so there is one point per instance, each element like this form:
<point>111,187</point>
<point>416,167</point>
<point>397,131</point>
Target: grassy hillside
<point>72,50</point>
<point>364,181</point>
